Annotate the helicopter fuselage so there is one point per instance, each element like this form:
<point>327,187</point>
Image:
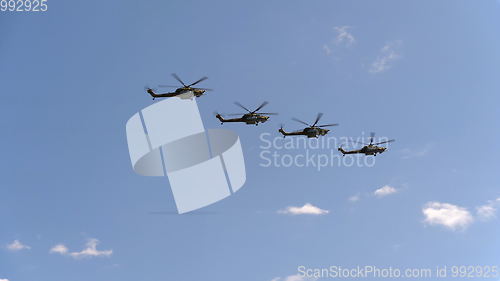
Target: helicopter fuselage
<point>372,149</point>
<point>310,132</point>
<point>366,150</point>
<point>249,119</point>
<point>314,132</point>
<point>182,93</point>
<point>187,90</point>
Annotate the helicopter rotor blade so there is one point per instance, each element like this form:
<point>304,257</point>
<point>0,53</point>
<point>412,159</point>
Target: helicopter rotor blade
<point>178,79</point>
<point>240,105</point>
<point>233,114</point>
<point>384,142</point>
<point>372,135</point>
<point>268,113</point>
<point>260,107</point>
<point>359,142</point>
<point>317,119</point>
<point>300,121</point>
<point>198,81</point>
<point>168,86</point>
<point>328,125</point>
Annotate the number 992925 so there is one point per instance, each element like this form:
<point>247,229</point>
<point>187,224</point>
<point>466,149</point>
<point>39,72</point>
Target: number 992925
<point>23,5</point>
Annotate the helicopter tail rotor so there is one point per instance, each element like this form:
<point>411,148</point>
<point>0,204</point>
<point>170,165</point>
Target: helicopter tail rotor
<point>282,131</point>
<point>151,92</point>
<point>342,150</point>
<point>218,116</point>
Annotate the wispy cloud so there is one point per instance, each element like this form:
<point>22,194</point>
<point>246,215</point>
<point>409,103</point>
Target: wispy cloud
<point>384,191</point>
<point>344,37</point>
<point>307,209</point>
<point>327,50</point>
<point>408,153</point>
<point>89,251</point>
<point>4,279</point>
<point>387,56</point>
<point>295,277</point>
<point>488,211</point>
<point>16,246</point>
<point>448,215</point>
<point>354,198</point>
<point>59,249</point>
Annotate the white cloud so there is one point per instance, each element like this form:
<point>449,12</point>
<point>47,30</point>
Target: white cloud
<point>4,279</point>
<point>344,37</point>
<point>384,191</point>
<point>448,215</point>
<point>388,54</point>
<point>89,251</point>
<point>488,211</point>
<point>307,209</point>
<point>59,249</point>
<point>16,245</point>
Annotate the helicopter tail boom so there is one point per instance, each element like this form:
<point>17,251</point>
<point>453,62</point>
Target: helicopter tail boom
<point>346,152</point>
<point>287,133</point>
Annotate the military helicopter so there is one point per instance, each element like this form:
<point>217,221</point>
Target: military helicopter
<point>312,131</point>
<point>368,148</point>
<point>252,117</point>
<point>184,92</point>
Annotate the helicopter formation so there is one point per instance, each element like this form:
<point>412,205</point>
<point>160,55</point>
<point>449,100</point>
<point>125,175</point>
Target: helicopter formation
<point>254,117</point>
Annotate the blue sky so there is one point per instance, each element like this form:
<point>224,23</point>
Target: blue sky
<point>422,72</point>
